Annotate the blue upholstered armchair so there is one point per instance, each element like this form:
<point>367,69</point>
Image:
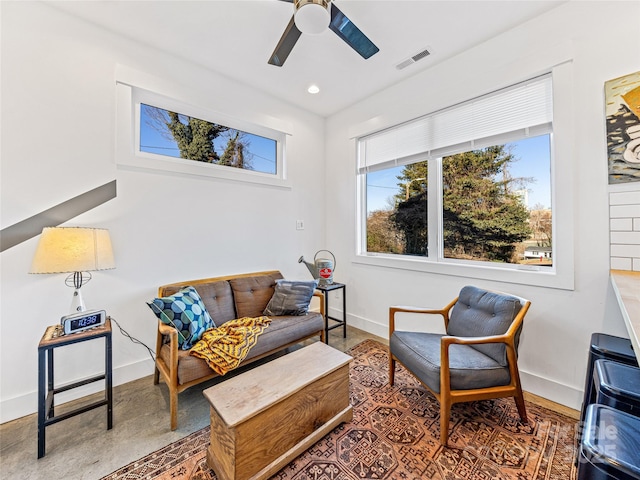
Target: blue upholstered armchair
<point>475,360</point>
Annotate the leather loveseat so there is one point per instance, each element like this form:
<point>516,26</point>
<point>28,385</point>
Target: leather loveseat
<point>227,298</point>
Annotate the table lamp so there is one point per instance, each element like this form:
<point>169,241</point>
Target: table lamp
<point>73,250</point>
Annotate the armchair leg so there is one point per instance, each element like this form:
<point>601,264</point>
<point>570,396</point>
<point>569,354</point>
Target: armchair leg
<point>445,413</point>
<point>392,369</point>
<point>519,398</point>
<point>156,376</point>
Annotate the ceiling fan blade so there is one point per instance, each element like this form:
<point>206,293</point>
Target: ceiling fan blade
<point>285,45</point>
<point>352,35</point>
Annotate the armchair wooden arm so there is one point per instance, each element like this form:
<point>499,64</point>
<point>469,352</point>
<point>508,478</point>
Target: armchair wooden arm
<point>409,309</point>
<point>448,396</point>
<point>449,339</point>
<point>453,396</point>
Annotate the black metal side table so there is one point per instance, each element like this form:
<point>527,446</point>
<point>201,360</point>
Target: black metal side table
<point>51,340</point>
<point>325,289</point>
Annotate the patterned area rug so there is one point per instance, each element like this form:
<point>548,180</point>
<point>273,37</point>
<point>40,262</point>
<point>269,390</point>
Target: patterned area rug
<point>395,435</point>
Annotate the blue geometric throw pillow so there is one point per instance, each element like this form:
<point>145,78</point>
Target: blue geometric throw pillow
<point>185,312</point>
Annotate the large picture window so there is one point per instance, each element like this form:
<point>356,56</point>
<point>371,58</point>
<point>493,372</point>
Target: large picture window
<point>470,184</point>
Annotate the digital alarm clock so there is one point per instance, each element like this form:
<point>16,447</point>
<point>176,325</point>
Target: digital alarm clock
<point>81,321</point>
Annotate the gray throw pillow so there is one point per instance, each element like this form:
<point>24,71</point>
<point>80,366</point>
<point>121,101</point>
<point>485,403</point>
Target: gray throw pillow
<point>291,297</point>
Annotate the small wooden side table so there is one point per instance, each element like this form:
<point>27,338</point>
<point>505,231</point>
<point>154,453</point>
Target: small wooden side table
<point>51,340</point>
<point>325,289</point>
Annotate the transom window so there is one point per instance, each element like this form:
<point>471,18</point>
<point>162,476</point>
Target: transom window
<point>177,135</point>
<point>177,132</point>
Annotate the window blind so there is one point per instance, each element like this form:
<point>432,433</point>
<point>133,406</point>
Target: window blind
<point>518,111</point>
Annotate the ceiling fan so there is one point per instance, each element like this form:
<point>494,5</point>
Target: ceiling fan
<point>313,17</point>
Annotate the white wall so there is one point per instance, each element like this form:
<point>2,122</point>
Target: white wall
<point>58,134</point>
<point>557,330</point>
<point>58,141</point>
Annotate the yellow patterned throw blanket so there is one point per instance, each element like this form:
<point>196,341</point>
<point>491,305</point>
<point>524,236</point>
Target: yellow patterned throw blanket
<point>224,347</point>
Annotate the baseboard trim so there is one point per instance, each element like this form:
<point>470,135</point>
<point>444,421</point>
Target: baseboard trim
<point>361,323</point>
<point>541,391</point>
<point>27,404</point>
<point>551,390</point>
<point>554,406</point>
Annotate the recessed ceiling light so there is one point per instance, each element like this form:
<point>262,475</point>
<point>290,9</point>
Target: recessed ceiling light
<point>313,89</point>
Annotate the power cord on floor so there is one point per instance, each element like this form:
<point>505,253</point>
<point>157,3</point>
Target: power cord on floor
<point>134,340</point>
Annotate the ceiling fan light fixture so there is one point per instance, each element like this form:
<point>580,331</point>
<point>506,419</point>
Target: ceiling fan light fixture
<point>312,17</point>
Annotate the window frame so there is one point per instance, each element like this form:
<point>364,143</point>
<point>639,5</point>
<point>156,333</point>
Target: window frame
<point>128,146</point>
<point>560,276</point>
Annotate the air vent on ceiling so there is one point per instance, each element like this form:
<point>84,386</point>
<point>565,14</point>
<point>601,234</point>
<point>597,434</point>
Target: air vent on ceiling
<point>413,59</point>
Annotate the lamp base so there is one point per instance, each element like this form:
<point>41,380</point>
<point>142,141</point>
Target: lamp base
<point>77,303</point>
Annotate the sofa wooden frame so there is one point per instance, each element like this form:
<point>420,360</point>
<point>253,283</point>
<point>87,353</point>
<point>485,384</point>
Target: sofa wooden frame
<point>168,334</point>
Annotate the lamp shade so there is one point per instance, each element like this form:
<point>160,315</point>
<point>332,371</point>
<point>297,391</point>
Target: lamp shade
<point>73,249</point>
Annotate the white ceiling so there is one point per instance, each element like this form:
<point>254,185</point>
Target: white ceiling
<point>237,37</point>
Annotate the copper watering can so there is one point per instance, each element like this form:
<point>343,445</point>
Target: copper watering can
<point>322,268</point>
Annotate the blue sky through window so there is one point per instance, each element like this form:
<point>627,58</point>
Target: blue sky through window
<point>262,151</point>
<point>533,159</point>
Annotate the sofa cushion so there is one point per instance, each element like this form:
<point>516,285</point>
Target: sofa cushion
<point>252,294</point>
<point>189,367</point>
<point>469,368</point>
<point>286,330</point>
<point>218,298</point>
<point>480,313</point>
<point>282,331</point>
<point>185,312</point>
<point>291,297</point>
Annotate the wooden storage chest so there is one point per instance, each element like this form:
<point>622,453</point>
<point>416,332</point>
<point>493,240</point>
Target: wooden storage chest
<point>265,417</point>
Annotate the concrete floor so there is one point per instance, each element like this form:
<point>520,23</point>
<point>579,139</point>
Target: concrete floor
<point>82,448</point>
